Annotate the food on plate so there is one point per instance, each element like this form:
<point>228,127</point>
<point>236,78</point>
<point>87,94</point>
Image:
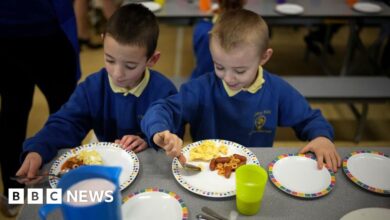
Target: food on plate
<point>206,151</point>
<point>85,157</point>
<point>226,165</point>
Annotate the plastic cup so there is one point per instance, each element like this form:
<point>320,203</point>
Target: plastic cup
<point>250,185</point>
<point>350,3</point>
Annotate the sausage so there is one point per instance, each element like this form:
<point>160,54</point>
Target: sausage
<point>240,157</point>
<point>240,164</point>
<point>222,159</point>
<point>212,165</point>
<point>228,171</point>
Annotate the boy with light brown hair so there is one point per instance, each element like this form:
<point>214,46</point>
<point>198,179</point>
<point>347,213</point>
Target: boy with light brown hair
<point>240,101</point>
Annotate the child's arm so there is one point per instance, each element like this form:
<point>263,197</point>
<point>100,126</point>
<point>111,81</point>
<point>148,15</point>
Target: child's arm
<point>172,113</point>
<point>171,143</point>
<point>132,142</point>
<point>325,150</point>
<point>30,168</point>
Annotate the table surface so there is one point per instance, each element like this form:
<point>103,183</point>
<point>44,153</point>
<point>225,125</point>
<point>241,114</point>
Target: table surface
<point>155,171</point>
<point>266,8</point>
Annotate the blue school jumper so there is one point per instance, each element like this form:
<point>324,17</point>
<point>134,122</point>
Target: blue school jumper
<point>95,106</point>
<point>246,118</point>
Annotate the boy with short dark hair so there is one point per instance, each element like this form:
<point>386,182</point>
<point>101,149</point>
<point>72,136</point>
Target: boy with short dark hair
<point>112,101</point>
<point>241,101</point>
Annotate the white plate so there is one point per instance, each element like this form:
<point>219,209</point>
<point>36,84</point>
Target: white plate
<point>152,6</point>
<point>112,155</point>
<point>369,169</point>
<point>367,7</point>
<point>298,175</point>
<point>208,183</point>
<point>289,9</point>
<point>368,213</point>
<point>154,204</point>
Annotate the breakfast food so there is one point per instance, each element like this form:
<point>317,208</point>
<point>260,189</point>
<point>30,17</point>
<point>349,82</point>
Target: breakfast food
<point>206,151</point>
<point>85,157</point>
<point>226,165</point>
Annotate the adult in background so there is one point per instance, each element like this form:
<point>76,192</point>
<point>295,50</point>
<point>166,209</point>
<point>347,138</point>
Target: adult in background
<point>38,43</point>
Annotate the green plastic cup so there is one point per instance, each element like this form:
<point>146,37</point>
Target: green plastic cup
<point>250,185</point>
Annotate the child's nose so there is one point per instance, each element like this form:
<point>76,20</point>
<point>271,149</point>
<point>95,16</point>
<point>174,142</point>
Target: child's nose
<point>118,72</point>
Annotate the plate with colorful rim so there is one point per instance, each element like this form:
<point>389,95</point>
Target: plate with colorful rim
<point>154,203</point>
<point>112,155</point>
<point>289,9</point>
<point>298,175</point>
<point>367,7</point>
<point>208,183</point>
<point>152,6</point>
<point>369,170</point>
<point>368,213</point>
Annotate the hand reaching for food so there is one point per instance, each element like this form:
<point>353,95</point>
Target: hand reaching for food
<point>171,143</point>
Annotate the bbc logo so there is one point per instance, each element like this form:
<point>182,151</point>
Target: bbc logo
<point>34,196</point>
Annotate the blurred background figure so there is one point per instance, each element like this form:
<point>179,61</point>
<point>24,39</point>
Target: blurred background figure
<point>319,38</point>
<point>200,41</point>
<point>83,9</point>
<point>39,47</point>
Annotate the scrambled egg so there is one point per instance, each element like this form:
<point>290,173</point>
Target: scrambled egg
<point>90,157</point>
<point>207,151</point>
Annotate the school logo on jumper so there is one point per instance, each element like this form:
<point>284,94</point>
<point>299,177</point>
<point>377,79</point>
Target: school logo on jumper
<point>260,119</point>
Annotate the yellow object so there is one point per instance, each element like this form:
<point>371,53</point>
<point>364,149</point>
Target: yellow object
<point>250,185</point>
<point>207,151</point>
<point>90,157</point>
<point>161,2</point>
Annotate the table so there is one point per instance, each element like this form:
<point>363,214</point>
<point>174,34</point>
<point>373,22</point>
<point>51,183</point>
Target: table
<point>155,171</point>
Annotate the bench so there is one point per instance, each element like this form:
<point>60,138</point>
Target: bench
<point>349,89</point>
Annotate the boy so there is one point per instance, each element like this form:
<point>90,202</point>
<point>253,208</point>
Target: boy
<point>241,102</point>
<point>112,101</point>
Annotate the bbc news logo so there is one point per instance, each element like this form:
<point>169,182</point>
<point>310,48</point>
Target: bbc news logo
<point>54,196</point>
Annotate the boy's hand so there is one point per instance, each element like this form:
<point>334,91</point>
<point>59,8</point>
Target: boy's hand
<point>171,143</point>
<point>324,149</point>
<point>132,142</point>
<point>30,168</point>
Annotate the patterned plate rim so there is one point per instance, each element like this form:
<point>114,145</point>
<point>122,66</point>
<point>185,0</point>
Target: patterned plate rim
<point>72,152</point>
<point>174,195</point>
<point>355,180</point>
<point>294,193</point>
<point>252,159</point>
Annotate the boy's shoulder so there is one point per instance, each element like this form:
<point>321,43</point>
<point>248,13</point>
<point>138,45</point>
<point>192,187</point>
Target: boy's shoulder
<point>273,80</point>
<point>158,79</point>
<point>100,75</point>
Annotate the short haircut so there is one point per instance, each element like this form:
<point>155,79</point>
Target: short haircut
<point>134,24</point>
<point>239,26</point>
<point>226,5</point>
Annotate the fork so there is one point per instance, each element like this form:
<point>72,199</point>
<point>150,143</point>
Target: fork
<point>58,175</point>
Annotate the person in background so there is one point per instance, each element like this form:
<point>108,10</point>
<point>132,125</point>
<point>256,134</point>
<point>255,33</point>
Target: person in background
<point>38,44</point>
<point>112,101</point>
<point>240,101</point>
<point>200,38</point>
<point>81,8</point>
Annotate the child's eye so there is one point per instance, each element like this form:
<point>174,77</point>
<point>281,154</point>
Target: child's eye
<point>110,61</point>
<point>240,71</point>
<point>131,67</point>
<point>219,67</point>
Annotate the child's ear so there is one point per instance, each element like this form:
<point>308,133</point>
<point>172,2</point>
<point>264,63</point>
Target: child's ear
<point>153,59</point>
<point>266,56</point>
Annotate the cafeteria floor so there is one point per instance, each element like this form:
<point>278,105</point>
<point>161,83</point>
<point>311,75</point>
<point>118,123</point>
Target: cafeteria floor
<point>288,59</point>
